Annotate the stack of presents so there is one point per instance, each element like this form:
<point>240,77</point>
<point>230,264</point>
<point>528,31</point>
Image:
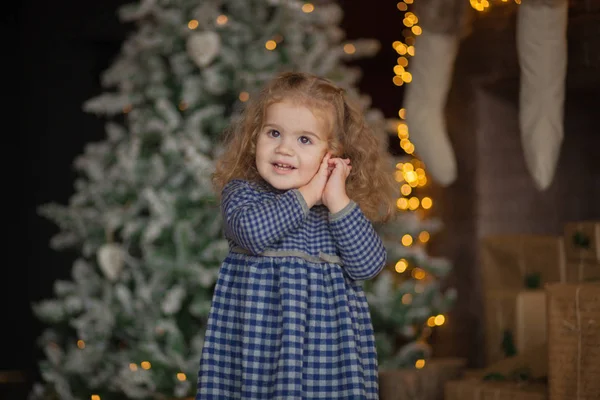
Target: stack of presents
<point>542,318</point>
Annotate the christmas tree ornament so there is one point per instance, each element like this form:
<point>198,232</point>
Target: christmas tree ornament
<point>110,260</point>
<point>203,47</point>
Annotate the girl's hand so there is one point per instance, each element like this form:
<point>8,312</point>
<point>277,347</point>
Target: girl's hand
<point>334,194</point>
<point>313,190</point>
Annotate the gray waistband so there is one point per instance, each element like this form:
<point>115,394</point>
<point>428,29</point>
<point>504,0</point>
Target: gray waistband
<point>322,258</point>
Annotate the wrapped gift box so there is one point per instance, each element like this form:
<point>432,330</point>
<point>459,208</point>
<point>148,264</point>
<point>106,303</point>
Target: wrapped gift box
<point>469,389</point>
<point>521,261</point>
<point>515,321</point>
<point>426,383</point>
<point>573,341</point>
<point>582,241</point>
<point>582,272</point>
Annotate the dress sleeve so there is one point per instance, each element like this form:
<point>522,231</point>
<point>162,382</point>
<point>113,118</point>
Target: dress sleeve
<point>360,247</point>
<point>254,221</point>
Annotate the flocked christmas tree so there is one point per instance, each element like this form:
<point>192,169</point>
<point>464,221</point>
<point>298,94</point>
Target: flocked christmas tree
<point>143,219</point>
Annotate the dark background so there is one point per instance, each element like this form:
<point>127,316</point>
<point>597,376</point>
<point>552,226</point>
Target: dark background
<point>63,46</point>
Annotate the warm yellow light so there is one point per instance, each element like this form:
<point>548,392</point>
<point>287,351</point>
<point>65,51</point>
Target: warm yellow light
<point>405,189</point>
<point>193,24</point>
<point>431,321</point>
<point>410,149</point>
<point>181,376</point>
<point>222,19</point>
<point>396,43</point>
<point>416,30</point>
<point>408,1</point>
<point>81,344</point>
<point>424,237</point>
<point>413,203</point>
<point>440,319</point>
<point>422,180</point>
<point>308,8</point>
<point>402,203</point>
<point>410,176</point>
<point>398,69</point>
<point>244,96</point>
<point>401,266</point>
<point>402,127</point>
<point>412,17</point>
<point>402,111</point>
<point>401,49</point>
<point>397,80</point>
<point>402,6</point>
<point>418,273</point>
<point>399,176</point>
<point>94,397</point>
<point>404,142</point>
<point>406,167</point>
<point>270,44</point>
<point>402,61</point>
<point>407,22</point>
<point>407,240</point>
<point>146,364</point>
<point>349,48</point>
<point>410,50</point>
<point>426,203</point>
<point>133,366</point>
<point>419,364</point>
<point>406,298</point>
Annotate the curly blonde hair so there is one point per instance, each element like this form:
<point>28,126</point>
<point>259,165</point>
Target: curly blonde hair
<point>370,183</point>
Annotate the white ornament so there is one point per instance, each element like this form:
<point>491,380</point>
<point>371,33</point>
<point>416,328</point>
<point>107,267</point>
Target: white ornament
<point>111,260</point>
<point>203,47</point>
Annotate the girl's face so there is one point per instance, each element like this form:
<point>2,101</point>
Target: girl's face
<point>290,145</point>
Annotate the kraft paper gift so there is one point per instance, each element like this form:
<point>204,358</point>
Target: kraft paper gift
<point>582,241</point>
<point>521,261</point>
<point>573,341</point>
<point>515,321</point>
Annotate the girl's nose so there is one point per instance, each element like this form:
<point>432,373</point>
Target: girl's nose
<point>284,149</point>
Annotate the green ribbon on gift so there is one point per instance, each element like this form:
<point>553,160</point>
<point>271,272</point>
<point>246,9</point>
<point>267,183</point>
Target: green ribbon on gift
<point>518,375</point>
<point>581,240</point>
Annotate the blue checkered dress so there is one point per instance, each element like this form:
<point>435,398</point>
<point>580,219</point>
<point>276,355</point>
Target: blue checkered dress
<point>289,319</point>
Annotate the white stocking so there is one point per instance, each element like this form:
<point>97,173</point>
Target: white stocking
<point>542,50</point>
<point>425,100</point>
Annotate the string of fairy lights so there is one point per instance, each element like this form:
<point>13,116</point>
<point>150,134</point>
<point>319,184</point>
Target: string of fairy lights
<point>411,175</point>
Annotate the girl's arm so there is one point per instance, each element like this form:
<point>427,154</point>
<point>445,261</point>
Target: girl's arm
<point>360,247</point>
<point>254,221</point>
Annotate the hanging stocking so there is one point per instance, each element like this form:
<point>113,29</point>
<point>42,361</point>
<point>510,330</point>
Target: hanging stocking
<point>542,51</point>
<point>442,22</point>
<point>425,101</point>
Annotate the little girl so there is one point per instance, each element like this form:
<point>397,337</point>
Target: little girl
<point>301,180</point>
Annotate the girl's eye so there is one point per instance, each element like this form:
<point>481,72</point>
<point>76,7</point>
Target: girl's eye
<point>273,133</point>
<point>304,140</point>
